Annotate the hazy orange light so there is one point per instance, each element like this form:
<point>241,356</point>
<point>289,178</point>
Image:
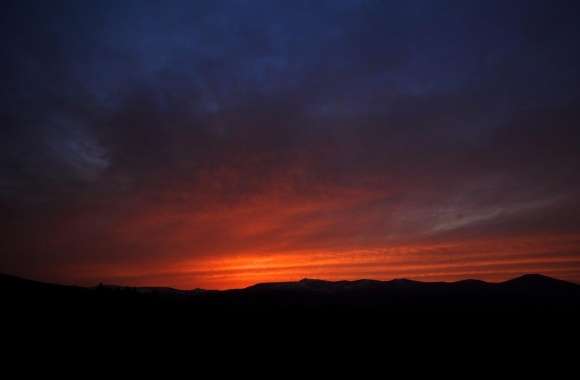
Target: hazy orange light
<point>489,260</point>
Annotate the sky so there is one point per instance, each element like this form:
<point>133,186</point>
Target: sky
<point>221,143</point>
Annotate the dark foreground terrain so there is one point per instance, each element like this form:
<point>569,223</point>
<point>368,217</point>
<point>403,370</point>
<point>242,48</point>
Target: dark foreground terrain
<point>529,293</point>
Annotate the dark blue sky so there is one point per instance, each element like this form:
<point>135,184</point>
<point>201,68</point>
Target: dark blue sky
<point>143,138</point>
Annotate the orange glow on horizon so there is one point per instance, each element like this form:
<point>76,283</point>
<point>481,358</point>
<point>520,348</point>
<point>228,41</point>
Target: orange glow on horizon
<point>487,260</point>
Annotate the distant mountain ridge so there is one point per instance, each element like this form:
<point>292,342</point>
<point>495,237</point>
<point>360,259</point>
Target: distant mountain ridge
<point>314,284</point>
<point>532,291</point>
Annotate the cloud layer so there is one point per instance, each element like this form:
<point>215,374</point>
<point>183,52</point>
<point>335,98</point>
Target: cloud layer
<point>222,142</point>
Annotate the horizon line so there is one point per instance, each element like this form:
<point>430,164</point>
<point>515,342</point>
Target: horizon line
<point>304,279</point>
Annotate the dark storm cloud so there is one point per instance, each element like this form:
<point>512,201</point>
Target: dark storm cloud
<point>420,118</point>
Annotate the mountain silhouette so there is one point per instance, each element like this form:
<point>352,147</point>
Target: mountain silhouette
<point>532,292</point>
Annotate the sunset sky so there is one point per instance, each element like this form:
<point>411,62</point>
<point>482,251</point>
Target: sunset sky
<point>217,144</point>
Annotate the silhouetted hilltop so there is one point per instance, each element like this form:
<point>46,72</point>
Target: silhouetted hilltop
<point>537,281</point>
<point>528,292</point>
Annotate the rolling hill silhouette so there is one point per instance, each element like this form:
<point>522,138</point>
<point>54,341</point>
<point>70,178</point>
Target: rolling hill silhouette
<point>526,293</point>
